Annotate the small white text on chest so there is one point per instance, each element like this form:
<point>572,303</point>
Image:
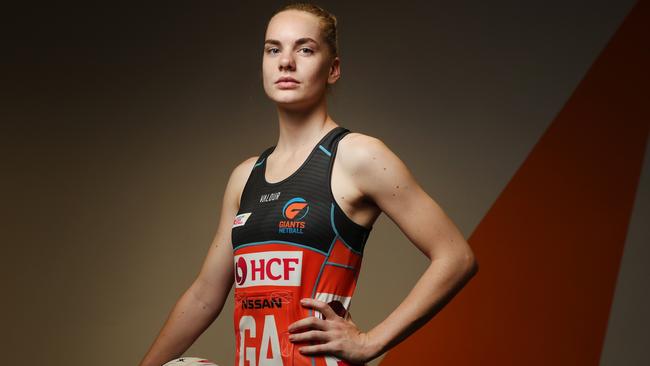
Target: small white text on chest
<point>270,197</point>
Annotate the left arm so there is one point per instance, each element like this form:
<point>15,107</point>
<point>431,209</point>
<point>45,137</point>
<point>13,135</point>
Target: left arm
<point>384,178</point>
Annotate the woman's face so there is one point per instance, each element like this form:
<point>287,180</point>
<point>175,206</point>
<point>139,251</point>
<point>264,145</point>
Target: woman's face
<point>294,48</point>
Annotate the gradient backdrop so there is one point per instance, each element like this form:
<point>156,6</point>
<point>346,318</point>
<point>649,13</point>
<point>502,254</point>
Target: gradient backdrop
<point>526,121</point>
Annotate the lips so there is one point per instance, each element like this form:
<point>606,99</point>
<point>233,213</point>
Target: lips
<point>287,79</point>
<point>287,82</point>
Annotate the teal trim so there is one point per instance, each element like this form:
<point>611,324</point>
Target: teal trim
<point>280,242</point>
<point>320,272</point>
<point>337,232</point>
<point>313,291</point>
<point>340,265</point>
<point>260,163</point>
<point>325,150</point>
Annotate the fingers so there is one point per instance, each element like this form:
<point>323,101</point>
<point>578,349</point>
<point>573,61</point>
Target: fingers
<point>311,322</point>
<point>312,335</point>
<point>321,306</point>
<point>317,349</point>
<point>332,347</point>
<point>314,322</point>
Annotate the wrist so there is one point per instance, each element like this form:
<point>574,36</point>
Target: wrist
<point>373,347</point>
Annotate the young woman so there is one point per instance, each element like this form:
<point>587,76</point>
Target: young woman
<point>295,220</point>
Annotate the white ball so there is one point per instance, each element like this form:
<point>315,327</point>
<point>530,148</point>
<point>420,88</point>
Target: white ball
<point>190,361</point>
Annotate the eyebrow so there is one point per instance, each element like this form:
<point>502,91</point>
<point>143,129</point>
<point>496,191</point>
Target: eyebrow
<point>298,42</point>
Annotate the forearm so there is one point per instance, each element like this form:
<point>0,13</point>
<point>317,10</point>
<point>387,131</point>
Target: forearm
<point>435,288</point>
<point>189,318</point>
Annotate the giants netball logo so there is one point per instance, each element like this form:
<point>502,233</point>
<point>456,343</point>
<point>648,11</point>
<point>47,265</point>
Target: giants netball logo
<point>278,268</point>
<point>293,212</point>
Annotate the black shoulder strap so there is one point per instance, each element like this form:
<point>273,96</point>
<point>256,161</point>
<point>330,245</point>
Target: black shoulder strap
<point>263,156</point>
<point>328,142</point>
<point>332,140</point>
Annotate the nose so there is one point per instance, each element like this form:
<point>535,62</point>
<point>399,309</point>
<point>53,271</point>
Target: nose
<point>287,62</point>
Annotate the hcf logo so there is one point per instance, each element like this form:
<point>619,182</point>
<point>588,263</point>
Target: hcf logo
<point>279,268</point>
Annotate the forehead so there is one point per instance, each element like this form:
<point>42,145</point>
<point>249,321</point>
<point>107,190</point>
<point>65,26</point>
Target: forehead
<point>293,24</point>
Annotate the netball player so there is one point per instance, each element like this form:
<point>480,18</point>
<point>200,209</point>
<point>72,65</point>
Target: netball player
<point>295,219</point>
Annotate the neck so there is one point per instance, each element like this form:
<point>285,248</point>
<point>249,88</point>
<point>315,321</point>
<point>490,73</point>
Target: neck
<point>300,129</point>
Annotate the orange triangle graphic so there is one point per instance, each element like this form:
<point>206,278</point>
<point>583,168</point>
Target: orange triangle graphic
<point>549,248</point>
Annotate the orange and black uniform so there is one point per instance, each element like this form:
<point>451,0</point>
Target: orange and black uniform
<point>291,240</point>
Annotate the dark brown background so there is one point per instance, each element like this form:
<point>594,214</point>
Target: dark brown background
<point>121,123</point>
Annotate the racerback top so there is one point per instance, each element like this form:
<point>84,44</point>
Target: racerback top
<point>291,240</point>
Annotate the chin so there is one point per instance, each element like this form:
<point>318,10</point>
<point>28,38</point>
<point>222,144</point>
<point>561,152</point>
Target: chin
<point>291,98</point>
<point>292,105</point>
<point>287,97</point>
<point>291,102</point>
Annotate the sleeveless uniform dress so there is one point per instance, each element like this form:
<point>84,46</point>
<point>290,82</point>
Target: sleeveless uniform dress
<point>291,240</point>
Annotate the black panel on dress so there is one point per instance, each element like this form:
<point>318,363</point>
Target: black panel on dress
<point>271,204</point>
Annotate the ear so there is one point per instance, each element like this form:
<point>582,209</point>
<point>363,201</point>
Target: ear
<point>335,71</point>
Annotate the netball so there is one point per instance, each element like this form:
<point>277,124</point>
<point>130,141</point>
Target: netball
<point>190,361</point>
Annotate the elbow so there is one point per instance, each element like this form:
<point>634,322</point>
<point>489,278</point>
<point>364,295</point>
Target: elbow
<point>473,269</point>
<point>470,265</point>
<point>463,263</point>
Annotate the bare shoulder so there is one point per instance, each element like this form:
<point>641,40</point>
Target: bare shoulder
<point>244,168</point>
<point>238,178</point>
<point>357,150</point>
<point>374,168</point>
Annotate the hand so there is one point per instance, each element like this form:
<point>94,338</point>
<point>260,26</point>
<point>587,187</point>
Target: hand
<point>340,337</point>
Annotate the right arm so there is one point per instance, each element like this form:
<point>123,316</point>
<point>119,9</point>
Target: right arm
<point>202,302</point>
